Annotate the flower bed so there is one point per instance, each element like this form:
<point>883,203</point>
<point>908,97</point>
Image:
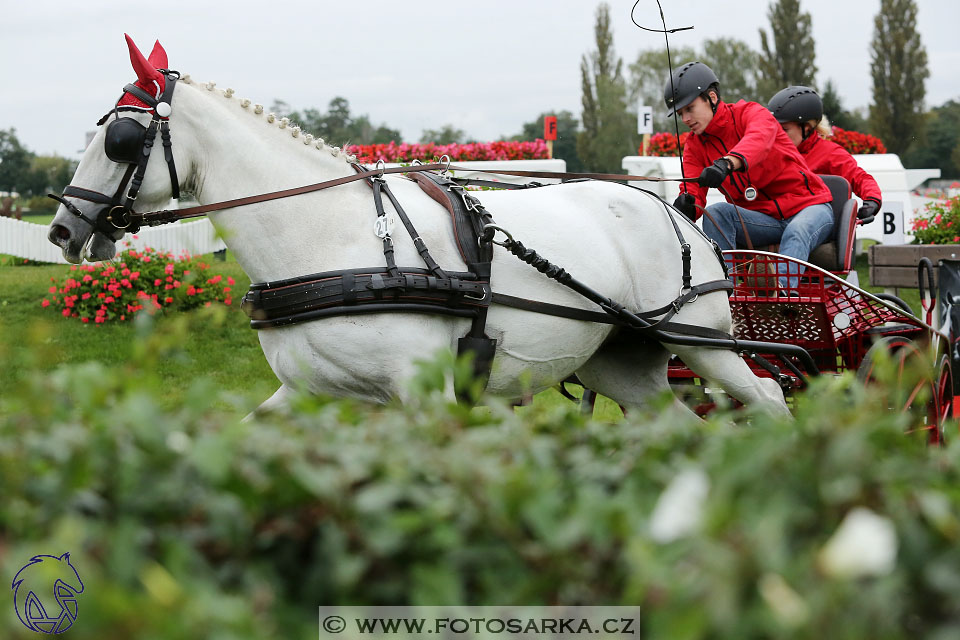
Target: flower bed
<point>407,152</point>
<point>665,144</point>
<point>939,223</point>
<point>856,142</point>
<point>138,281</point>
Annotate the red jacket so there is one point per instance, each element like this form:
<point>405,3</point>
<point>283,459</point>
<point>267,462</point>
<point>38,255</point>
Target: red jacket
<point>771,163</point>
<point>826,156</point>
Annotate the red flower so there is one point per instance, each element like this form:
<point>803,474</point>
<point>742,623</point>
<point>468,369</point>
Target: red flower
<point>45,303</point>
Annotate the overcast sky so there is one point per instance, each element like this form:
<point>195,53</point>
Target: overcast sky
<point>486,66</point>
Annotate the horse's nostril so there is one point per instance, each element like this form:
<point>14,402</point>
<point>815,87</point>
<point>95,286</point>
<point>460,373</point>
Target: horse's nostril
<point>59,233</point>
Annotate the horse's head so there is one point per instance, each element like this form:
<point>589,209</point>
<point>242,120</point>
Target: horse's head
<point>115,172</point>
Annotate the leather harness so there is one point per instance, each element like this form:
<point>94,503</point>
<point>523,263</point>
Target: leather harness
<point>390,288</point>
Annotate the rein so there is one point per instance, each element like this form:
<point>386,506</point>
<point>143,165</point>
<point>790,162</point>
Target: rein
<point>166,216</point>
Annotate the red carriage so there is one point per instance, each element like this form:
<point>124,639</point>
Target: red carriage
<point>841,326</point>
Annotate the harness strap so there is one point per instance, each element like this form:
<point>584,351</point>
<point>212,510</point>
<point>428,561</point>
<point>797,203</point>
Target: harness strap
<point>573,313</point>
<point>381,185</point>
<point>168,156</point>
<point>164,216</point>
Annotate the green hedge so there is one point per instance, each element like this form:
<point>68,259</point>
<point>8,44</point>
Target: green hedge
<point>188,523</point>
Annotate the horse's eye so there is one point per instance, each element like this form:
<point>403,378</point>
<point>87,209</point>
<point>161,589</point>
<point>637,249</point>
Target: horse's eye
<point>124,140</point>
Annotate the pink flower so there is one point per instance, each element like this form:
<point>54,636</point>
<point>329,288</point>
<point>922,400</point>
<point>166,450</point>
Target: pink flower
<point>168,269</point>
<point>45,303</point>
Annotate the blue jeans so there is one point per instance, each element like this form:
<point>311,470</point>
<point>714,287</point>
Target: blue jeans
<point>798,235</point>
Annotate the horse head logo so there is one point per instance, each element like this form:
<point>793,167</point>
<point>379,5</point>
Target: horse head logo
<point>46,580</point>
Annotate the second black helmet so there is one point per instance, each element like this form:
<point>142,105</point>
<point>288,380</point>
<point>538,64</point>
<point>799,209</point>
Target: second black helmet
<point>796,104</point>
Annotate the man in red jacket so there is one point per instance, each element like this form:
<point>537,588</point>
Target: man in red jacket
<point>799,110</point>
<point>742,150</point>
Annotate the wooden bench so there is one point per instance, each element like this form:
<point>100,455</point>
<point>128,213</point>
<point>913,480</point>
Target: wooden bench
<point>895,266</point>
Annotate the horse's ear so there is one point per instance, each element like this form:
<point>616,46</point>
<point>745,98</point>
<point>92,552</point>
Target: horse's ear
<point>147,74</point>
<point>158,57</point>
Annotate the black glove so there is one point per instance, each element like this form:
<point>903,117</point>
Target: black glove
<point>715,174</point>
<point>868,211</point>
<point>686,204</point>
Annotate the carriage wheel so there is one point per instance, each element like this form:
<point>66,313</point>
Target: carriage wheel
<point>909,397</point>
<point>944,398</point>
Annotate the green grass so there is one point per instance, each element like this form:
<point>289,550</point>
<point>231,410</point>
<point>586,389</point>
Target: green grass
<point>219,347</point>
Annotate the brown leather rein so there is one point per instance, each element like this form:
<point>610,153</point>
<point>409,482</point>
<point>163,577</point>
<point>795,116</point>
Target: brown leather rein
<point>165,216</point>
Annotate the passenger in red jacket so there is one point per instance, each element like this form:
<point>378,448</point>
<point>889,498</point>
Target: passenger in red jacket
<point>742,150</point>
<point>799,110</point>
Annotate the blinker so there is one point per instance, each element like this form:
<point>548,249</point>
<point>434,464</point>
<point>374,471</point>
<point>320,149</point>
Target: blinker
<point>124,140</point>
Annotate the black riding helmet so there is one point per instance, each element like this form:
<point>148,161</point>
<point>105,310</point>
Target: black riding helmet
<point>688,82</point>
<point>796,104</point>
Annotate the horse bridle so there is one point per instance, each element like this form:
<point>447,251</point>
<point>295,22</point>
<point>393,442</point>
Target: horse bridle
<point>126,141</point>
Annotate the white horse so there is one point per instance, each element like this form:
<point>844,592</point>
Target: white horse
<point>615,239</point>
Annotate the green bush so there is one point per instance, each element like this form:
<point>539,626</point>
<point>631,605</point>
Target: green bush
<point>189,523</point>
<point>41,205</point>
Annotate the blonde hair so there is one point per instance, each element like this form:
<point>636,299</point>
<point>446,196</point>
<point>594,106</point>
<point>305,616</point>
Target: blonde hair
<point>824,128</point>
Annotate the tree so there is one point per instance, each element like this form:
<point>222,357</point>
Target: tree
<point>941,128</point>
<point>48,174</point>
<point>609,129</point>
<point>14,162</point>
<point>834,111</point>
<point>898,65</point>
<point>737,66</point>
<point>565,146</point>
<point>649,74</point>
<point>448,134</point>
<point>734,62</point>
<point>338,126</point>
<point>790,61</point>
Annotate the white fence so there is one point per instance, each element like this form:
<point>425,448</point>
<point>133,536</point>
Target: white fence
<point>29,240</point>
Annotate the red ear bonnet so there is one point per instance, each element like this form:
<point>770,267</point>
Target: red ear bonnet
<point>148,78</point>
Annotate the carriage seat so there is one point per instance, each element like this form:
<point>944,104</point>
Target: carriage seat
<point>837,253</point>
